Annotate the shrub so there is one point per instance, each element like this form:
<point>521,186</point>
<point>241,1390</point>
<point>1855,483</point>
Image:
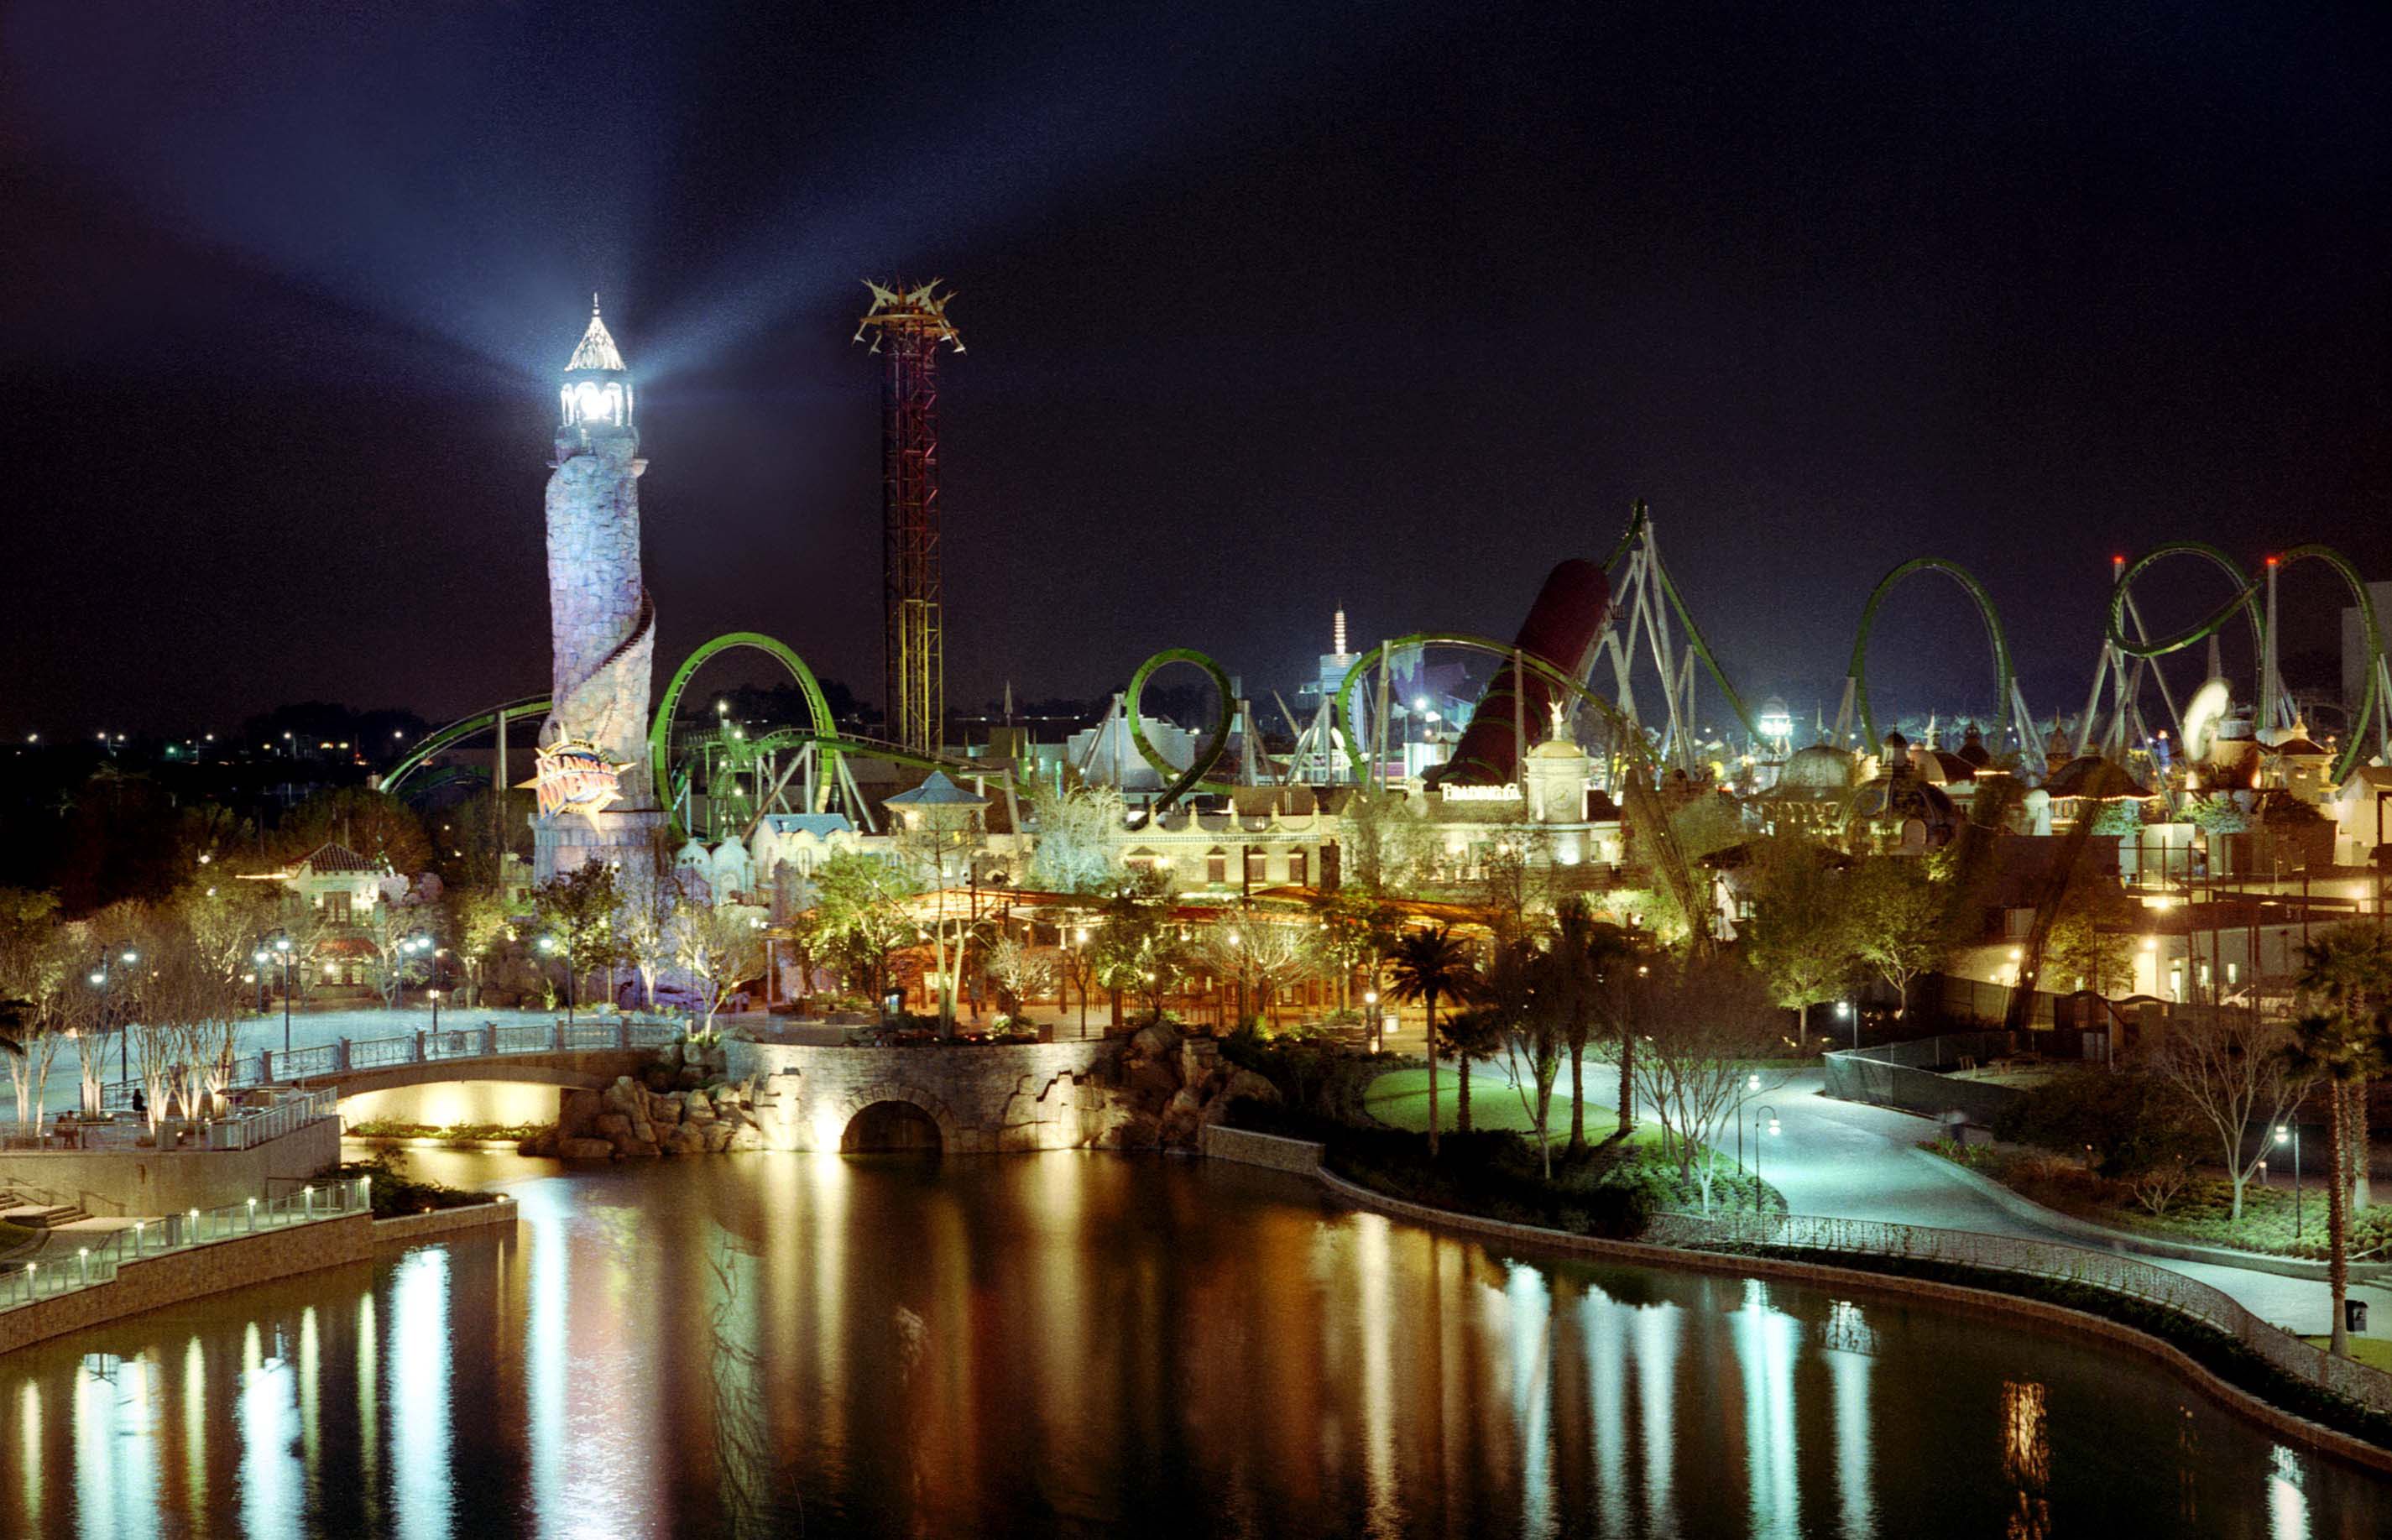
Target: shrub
<point>2131,1121</point>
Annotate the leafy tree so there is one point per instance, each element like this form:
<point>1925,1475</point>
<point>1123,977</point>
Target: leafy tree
<point>1898,919</point>
<point>1356,927</point>
<point>479,922</point>
<point>223,917</point>
<point>1801,936</point>
<point>1430,965</point>
<point>2090,939</point>
<point>36,971</point>
<point>376,824</point>
<point>1079,842</point>
<point>1389,849</point>
<point>577,913</point>
<point>860,917</point>
<point>1136,948</point>
<point>1268,957</point>
<point>646,925</point>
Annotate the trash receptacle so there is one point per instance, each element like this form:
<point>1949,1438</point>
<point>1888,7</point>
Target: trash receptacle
<point>2354,1315</point>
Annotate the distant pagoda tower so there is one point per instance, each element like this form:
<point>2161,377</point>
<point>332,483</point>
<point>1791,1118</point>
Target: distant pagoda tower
<point>908,326</point>
<point>596,800</point>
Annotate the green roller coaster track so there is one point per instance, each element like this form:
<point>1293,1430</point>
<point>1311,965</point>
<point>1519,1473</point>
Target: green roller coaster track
<point>660,729</point>
<point>1179,782</point>
<point>2005,680</point>
<point>2372,706</point>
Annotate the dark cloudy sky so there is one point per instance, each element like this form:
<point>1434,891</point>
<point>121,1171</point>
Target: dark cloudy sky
<point>1267,305</point>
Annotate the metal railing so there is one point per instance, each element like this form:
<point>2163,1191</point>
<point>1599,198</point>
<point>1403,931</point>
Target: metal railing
<point>488,1039</point>
<point>2051,1261</point>
<point>241,1131</point>
<point>57,1271</point>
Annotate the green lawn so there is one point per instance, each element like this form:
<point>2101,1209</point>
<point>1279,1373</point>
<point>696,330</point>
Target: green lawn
<point>1399,1099</point>
<point>2373,1352</point>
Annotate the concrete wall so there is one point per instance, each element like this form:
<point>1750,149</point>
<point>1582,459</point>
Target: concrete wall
<point>153,1283</point>
<point>1029,1097</point>
<point>414,1229</point>
<point>1248,1148</point>
<point>449,1103</point>
<point>142,1182</point>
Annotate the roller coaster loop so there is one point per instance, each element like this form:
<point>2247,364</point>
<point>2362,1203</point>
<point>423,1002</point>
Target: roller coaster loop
<point>1178,782</point>
<point>2373,709</point>
<point>2005,681</point>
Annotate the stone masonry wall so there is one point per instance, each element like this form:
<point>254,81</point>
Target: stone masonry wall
<point>984,1099</point>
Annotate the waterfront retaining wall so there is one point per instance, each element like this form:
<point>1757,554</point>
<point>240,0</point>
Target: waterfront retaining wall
<point>986,1099</point>
<point>153,1283</point>
<point>1271,1150</point>
<point>412,1229</point>
<point>140,1181</point>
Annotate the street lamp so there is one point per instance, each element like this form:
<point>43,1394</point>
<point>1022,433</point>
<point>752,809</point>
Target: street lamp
<point>1844,1009</point>
<point>282,947</point>
<point>1759,1114</point>
<point>2292,1134</point>
<point>1370,1003</point>
<point>1751,1083</point>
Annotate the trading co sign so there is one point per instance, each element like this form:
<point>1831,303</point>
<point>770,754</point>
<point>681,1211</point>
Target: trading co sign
<point>575,776</point>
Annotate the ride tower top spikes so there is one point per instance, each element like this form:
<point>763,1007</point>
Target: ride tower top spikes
<point>907,326</point>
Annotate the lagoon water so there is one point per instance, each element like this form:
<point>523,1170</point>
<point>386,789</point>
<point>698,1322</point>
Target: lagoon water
<point>1075,1344</point>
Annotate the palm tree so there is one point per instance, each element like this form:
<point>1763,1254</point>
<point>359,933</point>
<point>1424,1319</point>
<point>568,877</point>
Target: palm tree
<point>1583,952</point>
<point>2347,973</point>
<point>1470,1036</point>
<point>1429,965</point>
<point>2341,1050</point>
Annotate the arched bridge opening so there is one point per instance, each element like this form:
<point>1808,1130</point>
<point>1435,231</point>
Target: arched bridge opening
<point>892,1128</point>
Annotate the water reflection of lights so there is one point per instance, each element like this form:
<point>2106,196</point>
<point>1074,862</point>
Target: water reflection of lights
<point>1385,1501</point>
<point>2026,1459</point>
<point>419,1457</point>
<point>1765,1342</point>
<point>29,1424</point>
<point>1657,1386</point>
<point>1850,1343</point>
<point>269,1488</point>
<point>116,1447</point>
<point>195,1426</point>
<point>1528,1328</point>
<point>2288,1504</point>
<point>368,1405</point>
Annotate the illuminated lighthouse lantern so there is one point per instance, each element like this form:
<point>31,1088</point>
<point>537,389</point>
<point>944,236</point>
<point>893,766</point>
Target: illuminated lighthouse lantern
<point>595,800</point>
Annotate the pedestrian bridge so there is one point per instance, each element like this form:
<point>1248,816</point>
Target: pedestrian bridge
<point>584,1056</point>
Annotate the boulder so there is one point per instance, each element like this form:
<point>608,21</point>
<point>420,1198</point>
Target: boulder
<point>690,1079</point>
<point>584,1149</point>
<point>1151,1078</point>
<point>745,1139</point>
<point>622,1096</point>
<point>718,1138</point>
<point>1138,1131</point>
<point>657,1078</point>
<point>543,1142</point>
<point>664,1109</point>
<point>1245,1085</point>
<point>1156,1040</point>
<point>1198,1059</point>
<point>685,1139</point>
<point>612,1125</point>
<point>696,1107</point>
<point>669,1055</point>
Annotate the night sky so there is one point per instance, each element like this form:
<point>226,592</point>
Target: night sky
<point>1268,305</point>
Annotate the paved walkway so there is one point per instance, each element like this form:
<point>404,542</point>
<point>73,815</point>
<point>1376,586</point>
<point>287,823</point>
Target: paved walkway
<point>1846,1160</point>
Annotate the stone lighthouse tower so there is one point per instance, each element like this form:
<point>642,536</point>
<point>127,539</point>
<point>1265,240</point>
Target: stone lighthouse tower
<point>596,799</point>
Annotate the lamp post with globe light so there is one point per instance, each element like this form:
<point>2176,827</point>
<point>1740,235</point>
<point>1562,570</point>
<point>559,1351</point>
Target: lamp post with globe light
<point>2291,1133</point>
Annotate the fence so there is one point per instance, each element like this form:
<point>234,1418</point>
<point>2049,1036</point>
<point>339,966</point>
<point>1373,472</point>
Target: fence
<point>1906,1075</point>
<point>96,1264</point>
<point>347,1055</point>
<point>2035,1259</point>
<point>242,1130</point>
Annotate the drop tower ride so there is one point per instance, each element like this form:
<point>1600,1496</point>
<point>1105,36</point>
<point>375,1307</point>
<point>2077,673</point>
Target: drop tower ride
<point>908,327</point>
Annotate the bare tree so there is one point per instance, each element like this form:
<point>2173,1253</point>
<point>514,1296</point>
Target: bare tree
<point>718,947</point>
<point>2230,1066</point>
<point>1018,970</point>
<point>1706,1028</point>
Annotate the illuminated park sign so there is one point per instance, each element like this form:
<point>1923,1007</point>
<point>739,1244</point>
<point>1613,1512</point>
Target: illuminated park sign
<point>575,776</point>
<point>1509,792</point>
